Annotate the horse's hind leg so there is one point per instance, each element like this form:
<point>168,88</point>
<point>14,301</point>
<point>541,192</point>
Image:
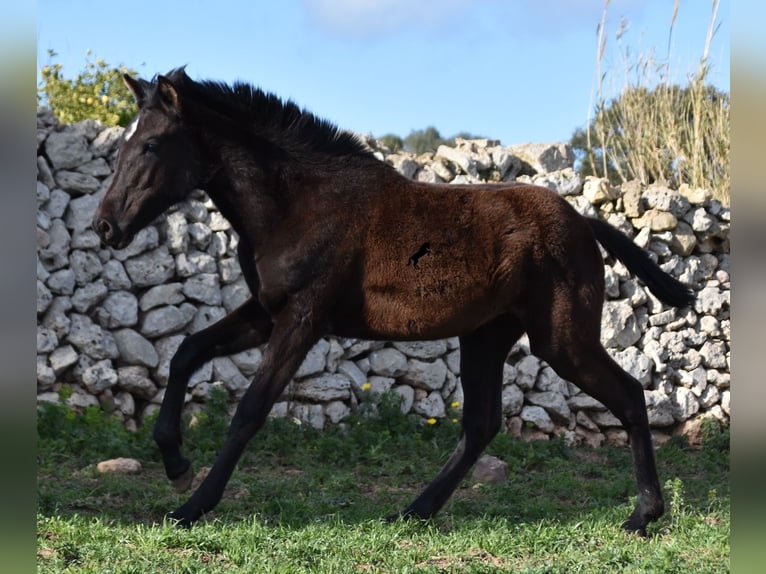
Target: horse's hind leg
<point>244,328</point>
<point>592,369</point>
<point>482,355</point>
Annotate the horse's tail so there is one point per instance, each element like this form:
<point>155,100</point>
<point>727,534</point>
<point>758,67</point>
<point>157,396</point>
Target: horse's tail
<point>666,288</point>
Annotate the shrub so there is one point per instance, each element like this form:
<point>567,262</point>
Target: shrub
<point>656,130</point>
<point>98,92</point>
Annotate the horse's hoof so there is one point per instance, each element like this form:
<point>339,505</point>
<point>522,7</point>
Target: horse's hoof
<point>405,515</point>
<point>179,520</point>
<point>632,528</point>
<point>182,483</point>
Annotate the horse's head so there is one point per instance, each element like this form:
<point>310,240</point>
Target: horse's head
<point>159,162</point>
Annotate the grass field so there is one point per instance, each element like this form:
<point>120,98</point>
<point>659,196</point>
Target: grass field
<point>305,501</point>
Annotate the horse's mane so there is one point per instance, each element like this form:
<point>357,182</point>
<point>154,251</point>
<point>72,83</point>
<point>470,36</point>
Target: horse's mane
<point>282,122</point>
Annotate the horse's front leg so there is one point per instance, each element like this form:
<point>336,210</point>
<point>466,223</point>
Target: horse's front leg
<point>245,328</point>
<point>292,337</point>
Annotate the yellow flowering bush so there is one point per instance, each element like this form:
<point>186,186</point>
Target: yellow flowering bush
<point>97,92</point>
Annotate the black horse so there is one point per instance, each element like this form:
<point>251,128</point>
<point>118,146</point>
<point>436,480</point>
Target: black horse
<point>334,241</point>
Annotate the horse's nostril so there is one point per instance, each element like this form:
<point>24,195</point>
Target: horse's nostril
<point>104,229</point>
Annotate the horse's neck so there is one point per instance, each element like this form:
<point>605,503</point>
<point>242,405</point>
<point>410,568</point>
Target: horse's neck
<point>247,203</point>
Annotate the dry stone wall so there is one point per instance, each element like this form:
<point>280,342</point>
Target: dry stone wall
<point>110,320</point>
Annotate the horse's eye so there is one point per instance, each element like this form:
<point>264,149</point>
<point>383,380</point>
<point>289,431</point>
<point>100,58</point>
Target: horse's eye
<point>151,146</point>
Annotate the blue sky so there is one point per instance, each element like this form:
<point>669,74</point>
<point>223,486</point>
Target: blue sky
<point>514,70</point>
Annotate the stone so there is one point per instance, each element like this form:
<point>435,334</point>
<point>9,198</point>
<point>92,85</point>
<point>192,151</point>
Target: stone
<point>695,196</point>
<point>136,381</point>
<point>146,239</point>
<point>554,404</point>
<point>46,376</point>
<point>135,349</point>
<point>199,234</point>
<point>315,360</point>
<point>125,403</point>
<point>711,300</point>
<point>659,408</point>
<point>636,363</point>
<point>660,197</point>
<point>684,240</point>
<point>89,295</point>
<point>407,395</point>
<point>57,204</point>
<point>248,361</point>
<point>656,220</point>
<point>700,220</point>
<point>619,327</point>
<point>114,276</point>
<point>99,377</point>
<point>684,404</point>
<point>165,320</point>
<point>62,282</point>
<point>388,362</point>
<point>432,406</point>
<point>429,375</point>
<point>85,265</point>
<point>67,150</point>
<point>218,222</point>
<point>713,355</point>
<point>194,262</point>
<point>204,288</point>
<point>538,417</point>
<point>205,316</point>
<point>57,318</point>
<point>159,295</point>
<point>77,183</point>
<point>91,339</point>
<point>229,269</point>
<point>458,157</point>
<point>312,415</point>
<point>544,157</point>
<point>427,350</point>
<point>177,232</point>
<point>226,371</point>
<point>119,309</point>
<point>152,268</point>
<point>119,466</point>
<point>598,190</point>
<point>336,411</point>
<point>81,210</point>
<point>324,388</point>
<point>527,369</point>
<point>44,297</point>
<point>55,254</point>
<point>47,341</point>
<point>106,141</point>
<point>512,399</point>
<point>235,294</point>
<point>605,419</point>
<point>380,385</point>
<point>490,470</point>
<point>62,358</point>
<point>81,400</point>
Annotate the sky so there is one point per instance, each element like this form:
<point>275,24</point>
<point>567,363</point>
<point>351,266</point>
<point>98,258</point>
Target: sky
<point>513,70</point>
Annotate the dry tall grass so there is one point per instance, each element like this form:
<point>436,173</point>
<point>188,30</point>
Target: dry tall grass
<point>656,130</point>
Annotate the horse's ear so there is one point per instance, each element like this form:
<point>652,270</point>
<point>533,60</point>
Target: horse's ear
<point>168,95</point>
<point>137,88</point>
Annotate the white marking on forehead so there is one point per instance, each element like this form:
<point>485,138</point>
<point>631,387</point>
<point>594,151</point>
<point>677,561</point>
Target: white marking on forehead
<point>131,129</point>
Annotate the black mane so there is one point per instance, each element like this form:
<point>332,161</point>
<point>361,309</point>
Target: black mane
<point>282,122</point>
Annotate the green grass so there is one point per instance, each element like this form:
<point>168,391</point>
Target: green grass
<point>304,501</point>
